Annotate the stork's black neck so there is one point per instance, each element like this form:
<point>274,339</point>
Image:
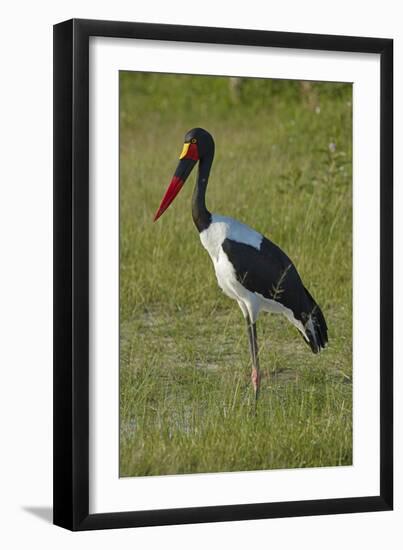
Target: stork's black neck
<point>201,216</point>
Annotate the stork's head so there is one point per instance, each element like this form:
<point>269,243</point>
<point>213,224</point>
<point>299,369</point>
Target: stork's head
<point>198,144</point>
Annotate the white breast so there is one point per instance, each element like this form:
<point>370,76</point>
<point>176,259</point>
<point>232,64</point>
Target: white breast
<point>222,228</point>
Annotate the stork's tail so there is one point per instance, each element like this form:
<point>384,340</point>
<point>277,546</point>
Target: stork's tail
<point>315,327</point>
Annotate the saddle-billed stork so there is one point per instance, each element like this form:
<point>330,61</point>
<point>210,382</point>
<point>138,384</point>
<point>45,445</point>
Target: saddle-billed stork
<point>249,268</point>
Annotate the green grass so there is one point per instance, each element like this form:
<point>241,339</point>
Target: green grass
<point>186,403</point>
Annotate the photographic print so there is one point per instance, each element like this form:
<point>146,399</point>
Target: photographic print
<point>207,277</point>
<point>235,274</point>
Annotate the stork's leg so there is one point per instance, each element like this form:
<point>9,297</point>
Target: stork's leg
<point>255,356</point>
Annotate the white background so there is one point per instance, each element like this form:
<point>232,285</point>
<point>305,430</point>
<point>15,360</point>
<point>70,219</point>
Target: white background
<point>25,274</point>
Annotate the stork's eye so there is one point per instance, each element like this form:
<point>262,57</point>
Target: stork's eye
<point>193,140</point>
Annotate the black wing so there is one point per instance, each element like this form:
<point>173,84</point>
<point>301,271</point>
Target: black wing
<point>270,272</point>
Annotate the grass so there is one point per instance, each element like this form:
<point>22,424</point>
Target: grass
<point>282,165</point>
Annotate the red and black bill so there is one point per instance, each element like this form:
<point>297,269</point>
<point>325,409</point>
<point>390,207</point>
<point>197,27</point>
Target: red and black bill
<point>188,159</point>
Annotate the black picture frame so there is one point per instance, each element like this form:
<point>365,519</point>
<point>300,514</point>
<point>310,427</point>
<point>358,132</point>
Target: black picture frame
<point>71,274</point>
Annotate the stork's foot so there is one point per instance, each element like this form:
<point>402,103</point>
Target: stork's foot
<point>256,382</point>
